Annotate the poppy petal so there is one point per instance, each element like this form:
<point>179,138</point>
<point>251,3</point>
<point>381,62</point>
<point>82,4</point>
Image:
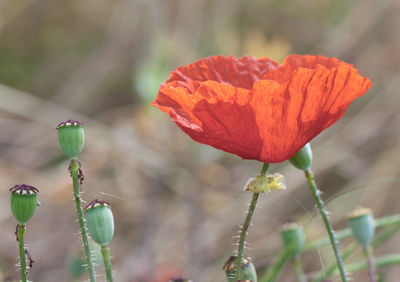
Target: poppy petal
<point>241,72</point>
<point>255,109</point>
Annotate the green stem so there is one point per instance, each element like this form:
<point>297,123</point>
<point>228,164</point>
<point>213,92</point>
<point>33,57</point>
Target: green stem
<point>298,269</point>
<point>370,263</point>
<point>22,259</point>
<point>332,267</point>
<point>74,165</point>
<point>324,215</point>
<point>383,236</point>
<point>105,251</point>
<point>345,233</point>
<point>379,262</point>
<point>245,227</point>
<point>274,271</point>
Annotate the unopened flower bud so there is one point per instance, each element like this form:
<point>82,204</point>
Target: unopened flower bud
<point>71,137</point>
<point>23,202</point>
<point>265,183</point>
<point>100,222</point>
<point>248,271</point>
<point>293,237</point>
<point>362,225</point>
<point>303,158</point>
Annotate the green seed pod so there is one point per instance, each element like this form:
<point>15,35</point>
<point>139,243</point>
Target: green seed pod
<point>265,183</point>
<point>303,158</point>
<point>293,236</point>
<point>23,202</point>
<point>71,137</point>
<point>248,271</point>
<point>100,222</point>
<point>362,225</point>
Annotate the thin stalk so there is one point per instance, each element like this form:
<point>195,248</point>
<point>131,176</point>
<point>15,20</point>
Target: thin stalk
<point>370,263</point>
<point>332,267</point>
<point>105,251</point>
<point>273,272</point>
<point>378,262</point>
<point>380,239</point>
<point>22,259</point>
<point>245,227</point>
<point>316,193</point>
<point>345,233</point>
<point>383,236</point>
<point>298,269</point>
<point>74,165</point>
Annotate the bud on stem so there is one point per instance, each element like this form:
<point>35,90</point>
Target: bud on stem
<point>293,237</point>
<point>100,222</point>
<point>23,202</point>
<point>71,137</point>
<point>303,158</point>
<point>362,225</point>
<point>248,271</point>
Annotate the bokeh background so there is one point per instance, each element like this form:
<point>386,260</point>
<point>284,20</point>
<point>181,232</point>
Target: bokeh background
<point>177,204</point>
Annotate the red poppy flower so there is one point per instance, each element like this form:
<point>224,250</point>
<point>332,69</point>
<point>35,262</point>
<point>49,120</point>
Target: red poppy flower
<point>256,108</point>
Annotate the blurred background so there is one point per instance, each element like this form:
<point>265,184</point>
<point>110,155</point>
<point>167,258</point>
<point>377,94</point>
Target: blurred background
<point>177,204</point>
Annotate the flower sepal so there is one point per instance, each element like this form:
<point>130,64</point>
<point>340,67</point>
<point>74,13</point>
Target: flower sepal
<point>303,158</point>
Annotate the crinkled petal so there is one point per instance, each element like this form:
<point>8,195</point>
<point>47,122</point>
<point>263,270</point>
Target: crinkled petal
<point>271,119</point>
<point>294,112</point>
<point>241,72</point>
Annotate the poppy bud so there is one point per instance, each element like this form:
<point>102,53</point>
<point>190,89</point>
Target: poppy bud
<point>362,225</point>
<point>248,271</point>
<point>303,158</point>
<point>23,202</point>
<point>265,183</point>
<point>100,222</point>
<point>71,137</point>
<point>293,237</point>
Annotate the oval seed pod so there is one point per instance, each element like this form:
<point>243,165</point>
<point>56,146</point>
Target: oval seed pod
<point>71,137</point>
<point>248,271</point>
<point>303,158</point>
<point>23,202</point>
<point>100,222</point>
<point>362,225</point>
<point>293,236</point>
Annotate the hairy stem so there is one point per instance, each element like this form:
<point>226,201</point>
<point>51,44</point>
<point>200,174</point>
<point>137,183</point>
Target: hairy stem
<point>105,251</point>
<point>245,227</point>
<point>74,165</point>
<point>22,259</point>
<point>316,193</point>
